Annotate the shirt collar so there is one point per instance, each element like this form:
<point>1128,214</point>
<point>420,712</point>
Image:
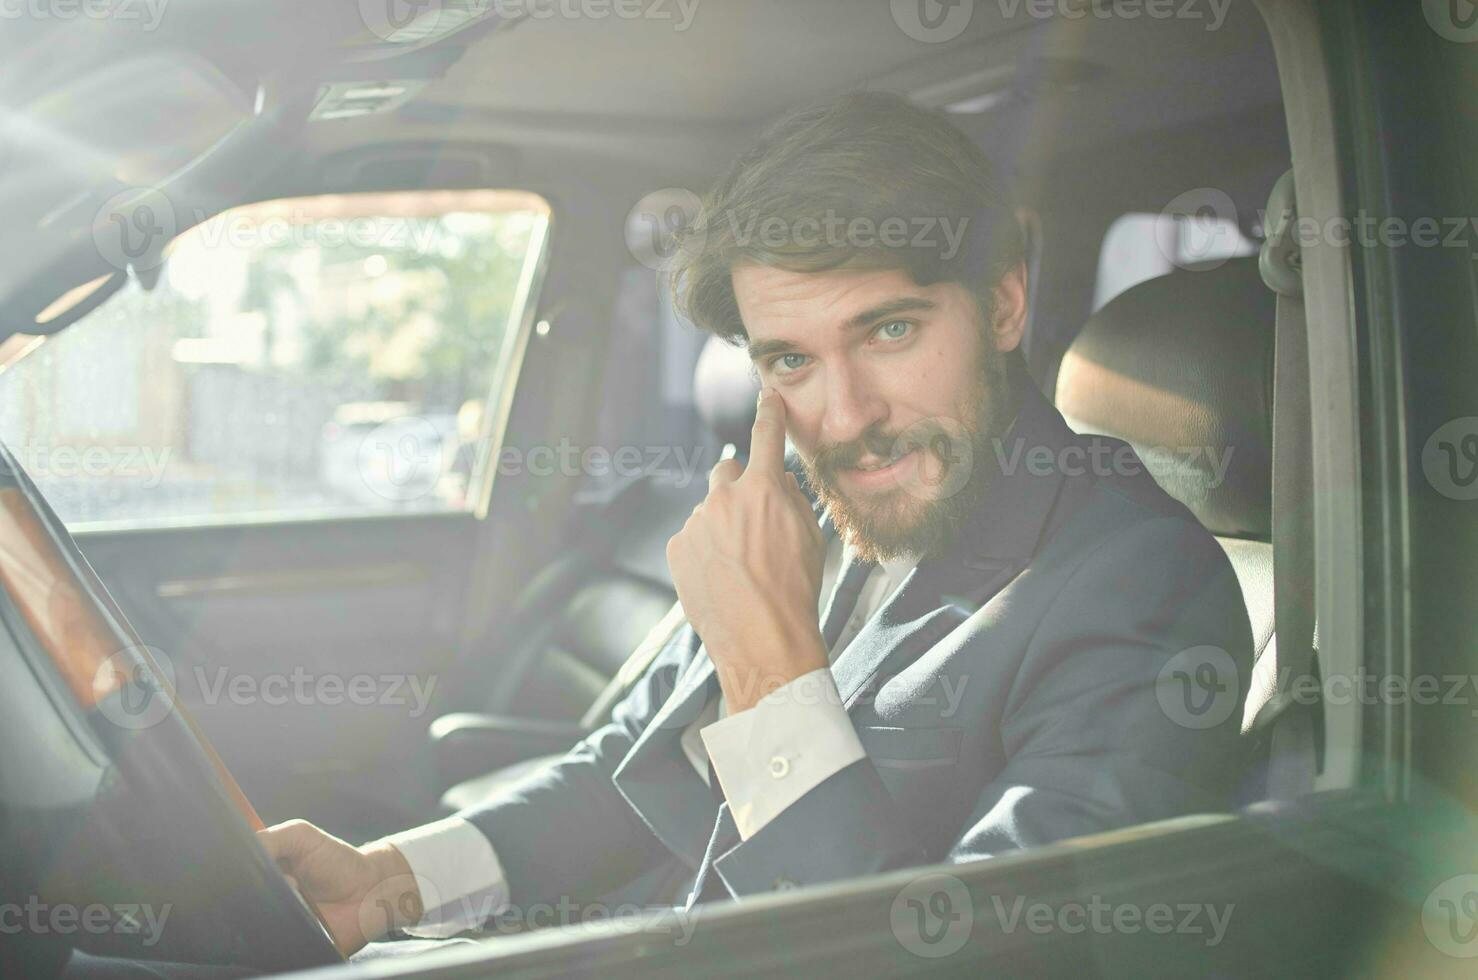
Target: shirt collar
<point>894,568</point>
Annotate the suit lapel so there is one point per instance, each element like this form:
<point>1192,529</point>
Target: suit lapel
<point>656,776</point>
<point>935,598</point>
<point>993,548</point>
<point>939,594</point>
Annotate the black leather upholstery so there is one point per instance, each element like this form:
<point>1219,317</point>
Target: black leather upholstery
<point>579,619</point>
<point>1181,367</point>
<point>583,616</point>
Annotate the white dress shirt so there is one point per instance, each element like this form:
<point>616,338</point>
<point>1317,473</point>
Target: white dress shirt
<point>766,759</point>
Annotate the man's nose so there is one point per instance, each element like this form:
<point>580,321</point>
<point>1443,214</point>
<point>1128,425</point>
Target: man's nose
<point>853,405</point>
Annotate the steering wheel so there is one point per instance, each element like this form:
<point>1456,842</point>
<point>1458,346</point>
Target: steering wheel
<point>168,828</point>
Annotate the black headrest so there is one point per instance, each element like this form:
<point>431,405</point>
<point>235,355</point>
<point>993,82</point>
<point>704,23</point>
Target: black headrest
<point>1181,368</point>
<point>725,387</point>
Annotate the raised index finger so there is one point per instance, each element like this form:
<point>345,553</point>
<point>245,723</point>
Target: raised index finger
<point>767,440</point>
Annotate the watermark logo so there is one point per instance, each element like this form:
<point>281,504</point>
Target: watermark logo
<point>1201,227</point>
<point>145,465</point>
<point>1366,687</point>
<point>300,229</point>
<point>1453,20</point>
<point>932,916</point>
<point>946,458</point>
<point>939,234</point>
<point>40,918</point>
<point>1102,457</point>
<point>402,459</point>
<point>134,688</point>
<point>1102,917</point>
<point>1450,459</point>
<point>1199,687</point>
<point>932,21</point>
<point>566,459</point>
<point>132,228</point>
<point>1214,15</point>
<point>135,691</point>
<point>389,19</point>
<point>1450,916</point>
<point>146,13</point>
<point>666,229</point>
<point>301,687</point>
<point>379,912</point>
<point>404,21</point>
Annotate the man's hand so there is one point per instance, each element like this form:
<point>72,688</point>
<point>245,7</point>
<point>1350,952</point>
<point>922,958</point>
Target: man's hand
<point>360,892</point>
<point>747,568</point>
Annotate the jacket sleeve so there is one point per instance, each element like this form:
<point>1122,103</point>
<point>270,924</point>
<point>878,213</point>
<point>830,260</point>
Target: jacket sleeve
<point>1100,729</point>
<point>566,831</point>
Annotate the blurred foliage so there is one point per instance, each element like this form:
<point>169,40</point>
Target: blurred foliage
<point>425,324</point>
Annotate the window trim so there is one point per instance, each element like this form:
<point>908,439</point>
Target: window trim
<point>1308,106</point>
<point>510,364</point>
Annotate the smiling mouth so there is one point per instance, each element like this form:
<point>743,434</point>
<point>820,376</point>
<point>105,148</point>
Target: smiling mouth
<point>881,464</point>
<point>879,472</point>
<point>901,451</point>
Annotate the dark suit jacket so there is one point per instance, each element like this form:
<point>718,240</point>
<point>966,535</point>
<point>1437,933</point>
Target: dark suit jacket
<point>1019,691</point>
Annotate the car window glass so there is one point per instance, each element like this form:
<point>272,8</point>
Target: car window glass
<point>1141,246</point>
<point>331,356</point>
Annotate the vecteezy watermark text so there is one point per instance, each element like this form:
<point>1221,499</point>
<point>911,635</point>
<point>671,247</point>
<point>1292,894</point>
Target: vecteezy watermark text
<point>60,461</point>
<point>147,13</point>
<point>934,916</point>
<point>37,917</point>
<point>137,687</point>
<point>299,686</point>
<point>1111,459</point>
<point>401,20</point>
<point>570,460</point>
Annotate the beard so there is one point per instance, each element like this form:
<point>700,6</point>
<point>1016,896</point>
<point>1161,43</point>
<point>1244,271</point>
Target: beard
<point>923,514</point>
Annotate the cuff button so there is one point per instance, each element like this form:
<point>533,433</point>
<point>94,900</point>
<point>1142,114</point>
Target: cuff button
<point>779,767</point>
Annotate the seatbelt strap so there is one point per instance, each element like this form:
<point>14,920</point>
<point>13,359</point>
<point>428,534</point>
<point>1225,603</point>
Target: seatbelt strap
<point>1292,764</point>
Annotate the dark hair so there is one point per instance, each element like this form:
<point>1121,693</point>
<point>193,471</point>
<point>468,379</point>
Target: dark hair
<point>866,160</point>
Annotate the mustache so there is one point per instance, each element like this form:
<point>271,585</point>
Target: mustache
<point>845,455</point>
<point>828,459</point>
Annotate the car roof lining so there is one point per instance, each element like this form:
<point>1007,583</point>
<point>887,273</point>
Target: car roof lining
<point>641,90</point>
<point>614,103</point>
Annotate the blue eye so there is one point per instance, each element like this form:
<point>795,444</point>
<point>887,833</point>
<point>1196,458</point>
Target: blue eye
<point>895,329</point>
<point>790,362</point>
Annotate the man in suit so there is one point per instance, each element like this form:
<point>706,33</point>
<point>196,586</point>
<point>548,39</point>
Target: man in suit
<point>965,641</point>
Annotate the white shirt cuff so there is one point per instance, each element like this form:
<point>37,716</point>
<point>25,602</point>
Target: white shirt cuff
<point>461,880</point>
<point>770,756</point>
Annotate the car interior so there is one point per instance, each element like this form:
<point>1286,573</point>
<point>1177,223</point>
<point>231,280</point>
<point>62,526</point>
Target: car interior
<point>513,610</point>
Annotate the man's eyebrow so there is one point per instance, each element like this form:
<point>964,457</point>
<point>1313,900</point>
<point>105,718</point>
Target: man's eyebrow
<point>761,349</point>
<point>893,307</point>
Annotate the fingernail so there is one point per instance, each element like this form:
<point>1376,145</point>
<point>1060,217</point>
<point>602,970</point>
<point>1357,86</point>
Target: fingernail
<point>764,393</point>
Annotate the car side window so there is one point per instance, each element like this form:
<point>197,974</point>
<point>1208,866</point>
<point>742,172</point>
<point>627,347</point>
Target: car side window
<point>321,356</point>
<point>1141,246</point>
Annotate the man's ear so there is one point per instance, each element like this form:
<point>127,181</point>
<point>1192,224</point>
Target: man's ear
<point>1010,296</point>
